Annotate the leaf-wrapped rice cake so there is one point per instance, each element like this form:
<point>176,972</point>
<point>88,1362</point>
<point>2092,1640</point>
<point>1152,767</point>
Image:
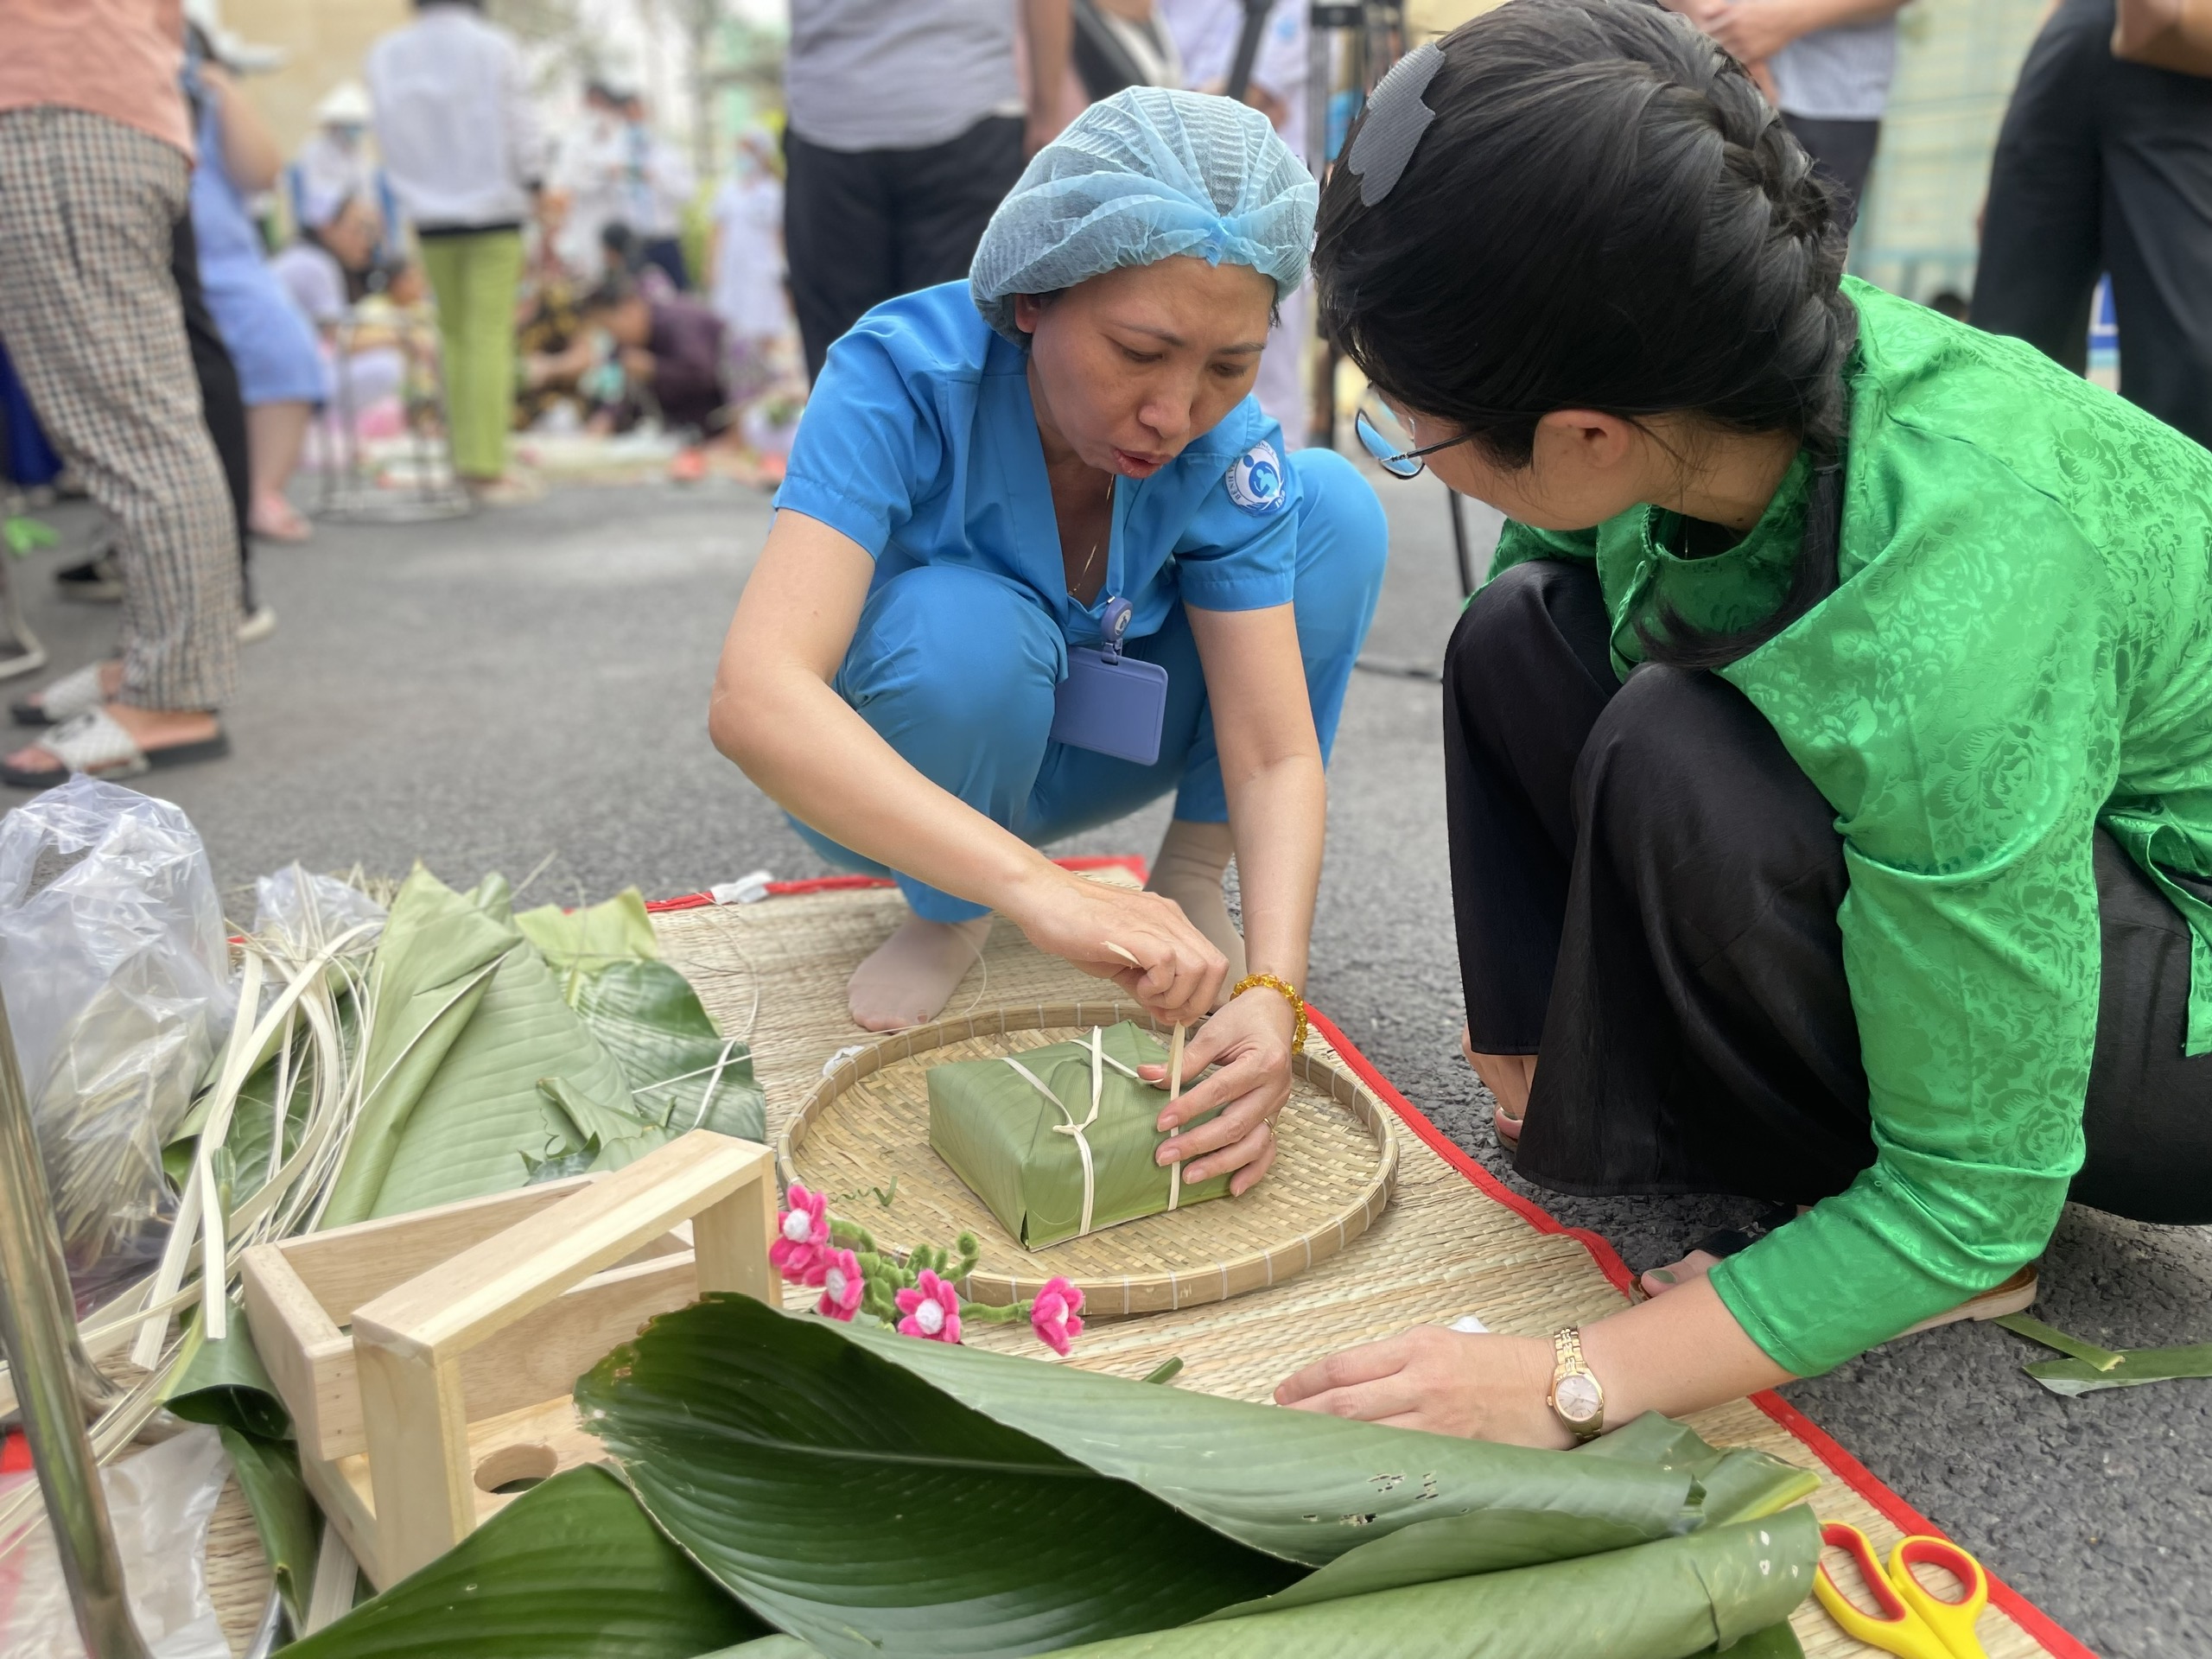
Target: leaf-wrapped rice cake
<point>1059,1141</point>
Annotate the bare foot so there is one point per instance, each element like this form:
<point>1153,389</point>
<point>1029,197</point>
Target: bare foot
<point>1657,1281</point>
<point>913,973</point>
<point>1188,868</point>
<point>1508,1077</point>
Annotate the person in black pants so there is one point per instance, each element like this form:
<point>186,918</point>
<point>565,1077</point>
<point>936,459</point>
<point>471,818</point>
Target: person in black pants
<point>905,132</point>
<point>2106,166</point>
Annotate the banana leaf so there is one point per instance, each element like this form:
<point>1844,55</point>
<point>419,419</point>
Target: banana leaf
<point>572,1569</point>
<point>591,937</point>
<point>1013,1146</point>
<point>1737,1484</point>
<point>2088,1368</point>
<point>1302,1486</point>
<point>683,1073</point>
<point>465,1107</point>
<point>848,1503</point>
<point>1666,1599</point>
<point>430,972</point>
<point>225,1384</point>
<point>862,1489</point>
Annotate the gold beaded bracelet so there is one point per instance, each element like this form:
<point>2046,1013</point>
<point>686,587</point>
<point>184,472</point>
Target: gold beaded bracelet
<point>1289,994</point>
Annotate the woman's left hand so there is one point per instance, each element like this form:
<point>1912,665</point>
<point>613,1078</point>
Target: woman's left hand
<point>1484,1388</point>
<point>1249,1041</point>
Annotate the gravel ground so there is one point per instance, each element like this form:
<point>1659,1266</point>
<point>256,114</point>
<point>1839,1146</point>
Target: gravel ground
<point>531,686</point>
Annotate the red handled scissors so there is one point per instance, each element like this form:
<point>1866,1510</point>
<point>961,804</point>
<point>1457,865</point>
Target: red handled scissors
<point>1915,1623</point>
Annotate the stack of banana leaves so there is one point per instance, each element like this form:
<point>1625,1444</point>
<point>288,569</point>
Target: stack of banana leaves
<point>384,1062</point>
<point>779,1486</point>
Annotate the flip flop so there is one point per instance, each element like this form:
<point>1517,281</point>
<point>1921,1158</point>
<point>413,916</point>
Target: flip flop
<point>93,743</point>
<point>67,698</point>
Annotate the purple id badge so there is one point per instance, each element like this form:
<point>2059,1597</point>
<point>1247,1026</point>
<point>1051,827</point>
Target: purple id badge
<point>1110,704</point>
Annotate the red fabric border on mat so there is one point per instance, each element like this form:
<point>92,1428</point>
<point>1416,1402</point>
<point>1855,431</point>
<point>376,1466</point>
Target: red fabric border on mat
<point>1129,862</point>
<point>1608,1261</point>
<point>1847,1468</point>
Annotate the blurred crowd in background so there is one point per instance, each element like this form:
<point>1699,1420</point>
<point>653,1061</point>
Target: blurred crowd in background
<point>487,261</point>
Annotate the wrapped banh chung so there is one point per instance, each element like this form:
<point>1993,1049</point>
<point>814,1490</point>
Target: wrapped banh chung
<point>1059,1141</point>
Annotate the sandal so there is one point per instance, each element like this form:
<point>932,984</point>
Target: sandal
<point>2016,1295</point>
<point>93,743</point>
<point>67,698</point>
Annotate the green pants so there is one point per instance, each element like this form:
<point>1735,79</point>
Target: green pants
<point>476,276</point>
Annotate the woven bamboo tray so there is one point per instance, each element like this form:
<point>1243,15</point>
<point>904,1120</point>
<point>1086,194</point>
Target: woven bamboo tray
<point>868,1121</point>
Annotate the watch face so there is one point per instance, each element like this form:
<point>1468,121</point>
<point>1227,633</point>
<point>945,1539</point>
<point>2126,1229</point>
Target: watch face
<point>1576,1398</point>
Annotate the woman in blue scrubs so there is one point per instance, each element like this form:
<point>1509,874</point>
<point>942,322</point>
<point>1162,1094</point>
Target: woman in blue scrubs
<point>994,483</point>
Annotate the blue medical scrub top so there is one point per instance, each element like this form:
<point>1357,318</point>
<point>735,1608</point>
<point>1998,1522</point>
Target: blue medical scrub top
<point>920,443</point>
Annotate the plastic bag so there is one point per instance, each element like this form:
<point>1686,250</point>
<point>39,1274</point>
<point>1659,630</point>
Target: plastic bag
<point>115,967</point>
<point>306,909</point>
<point>160,1502</point>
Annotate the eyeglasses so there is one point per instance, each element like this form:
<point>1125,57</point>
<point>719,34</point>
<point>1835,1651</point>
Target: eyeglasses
<point>1389,439</point>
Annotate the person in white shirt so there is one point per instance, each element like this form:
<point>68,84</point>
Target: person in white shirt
<point>322,271</point>
<point>657,185</point>
<point>589,175</point>
<point>745,265</point>
<point>1206,33</point>
<point>465,154</point>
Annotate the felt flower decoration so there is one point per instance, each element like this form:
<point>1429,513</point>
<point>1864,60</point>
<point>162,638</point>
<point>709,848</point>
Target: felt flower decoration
<point>931,1310</point>
<point>802,1237</point>
<point>1055,1315</point>
<point>842,1286</point>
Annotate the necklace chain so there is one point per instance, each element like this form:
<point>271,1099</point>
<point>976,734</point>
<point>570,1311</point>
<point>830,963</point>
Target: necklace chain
<point>1083,576</point>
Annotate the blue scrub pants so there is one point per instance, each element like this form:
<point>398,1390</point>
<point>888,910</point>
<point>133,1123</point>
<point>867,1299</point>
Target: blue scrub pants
<point>975,723</point>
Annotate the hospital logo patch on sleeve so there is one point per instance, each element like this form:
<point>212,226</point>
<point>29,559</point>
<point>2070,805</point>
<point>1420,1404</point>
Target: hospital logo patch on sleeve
<point>1255,480</point>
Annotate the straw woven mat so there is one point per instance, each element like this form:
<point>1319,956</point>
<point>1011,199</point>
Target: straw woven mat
<point>1442,1248</point>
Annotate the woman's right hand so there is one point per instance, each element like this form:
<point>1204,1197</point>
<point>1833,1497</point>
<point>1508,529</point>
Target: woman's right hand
<point>1169,966</point>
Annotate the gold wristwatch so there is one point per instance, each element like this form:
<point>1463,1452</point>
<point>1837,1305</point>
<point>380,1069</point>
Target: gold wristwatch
<point>1576,1398</point>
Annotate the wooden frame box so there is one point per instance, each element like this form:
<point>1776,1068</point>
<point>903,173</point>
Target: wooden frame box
<point>470,1323</point>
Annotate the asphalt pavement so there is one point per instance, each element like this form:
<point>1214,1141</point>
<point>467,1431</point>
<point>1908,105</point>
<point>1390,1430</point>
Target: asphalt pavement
<point>529,688</point>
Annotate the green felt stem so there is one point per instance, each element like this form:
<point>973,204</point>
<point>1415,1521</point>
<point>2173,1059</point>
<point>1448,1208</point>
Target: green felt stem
<point>999,1313</point>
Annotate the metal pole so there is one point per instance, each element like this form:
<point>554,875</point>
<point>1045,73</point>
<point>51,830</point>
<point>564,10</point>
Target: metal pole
<point>40,1338</point>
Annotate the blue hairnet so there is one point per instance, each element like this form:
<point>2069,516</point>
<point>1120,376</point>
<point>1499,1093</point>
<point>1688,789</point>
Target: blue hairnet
<point>1140,177</point>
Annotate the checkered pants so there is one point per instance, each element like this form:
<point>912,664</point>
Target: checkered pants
<point>93,321</point>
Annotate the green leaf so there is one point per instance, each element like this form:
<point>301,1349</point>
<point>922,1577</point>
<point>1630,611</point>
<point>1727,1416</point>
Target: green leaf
<point>852,1504</point>
<point>618,931</point>
<point>1776,1642</point>
<point>430,970</point>
<point>225,1383</point>
<point>682,1072</point>
<point>856,1487</point>
<point>283,1513</point>
<point>2137,1366</point>
<point>1298,1484</point>
<point>1661,1600</point>
<point>2089,1367</point>
<point>481,1108</point>
<point>572,1569</point>
<point>1735,1485</point>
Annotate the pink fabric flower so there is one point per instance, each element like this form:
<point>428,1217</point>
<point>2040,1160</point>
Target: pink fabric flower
<point>841,1285</point>
<point>802,1237</point>
<point>932,1310</point>
<point>1054,1315</point>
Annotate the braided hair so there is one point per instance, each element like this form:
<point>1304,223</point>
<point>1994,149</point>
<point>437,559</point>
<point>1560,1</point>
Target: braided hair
<point>1605,214</point>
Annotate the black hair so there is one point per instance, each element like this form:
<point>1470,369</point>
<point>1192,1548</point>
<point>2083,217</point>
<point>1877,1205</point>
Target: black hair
<point>1604,213</point>
<point>615,291</point>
